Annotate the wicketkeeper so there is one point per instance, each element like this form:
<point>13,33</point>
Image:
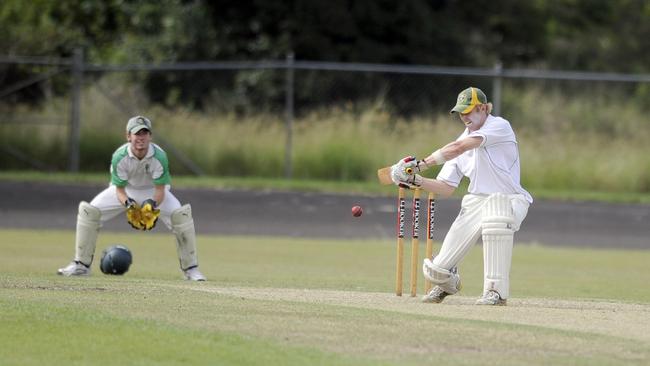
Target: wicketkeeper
<point>139,187</point>
<point>494,207</point>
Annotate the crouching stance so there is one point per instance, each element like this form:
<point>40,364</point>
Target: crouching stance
<point>140,187</point>
<point>494,208</point>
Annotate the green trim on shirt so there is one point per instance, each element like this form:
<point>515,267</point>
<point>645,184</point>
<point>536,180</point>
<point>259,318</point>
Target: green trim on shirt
<point>161,156</point>
<point>118,155</point>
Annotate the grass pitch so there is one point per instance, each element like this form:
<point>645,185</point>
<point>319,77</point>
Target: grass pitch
<point>297,302</point>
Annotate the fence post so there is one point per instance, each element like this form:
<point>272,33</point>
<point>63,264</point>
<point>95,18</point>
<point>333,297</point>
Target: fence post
<point>496,89</point>
<point>288,105</point>
<point>75,99</point>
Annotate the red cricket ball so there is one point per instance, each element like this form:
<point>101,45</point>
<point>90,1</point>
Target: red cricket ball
<point>357,211</point>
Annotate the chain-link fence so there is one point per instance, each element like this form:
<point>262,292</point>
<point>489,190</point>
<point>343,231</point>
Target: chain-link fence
<point>78,106</point>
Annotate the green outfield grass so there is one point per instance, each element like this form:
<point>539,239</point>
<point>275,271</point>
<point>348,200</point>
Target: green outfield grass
<point>282,301</point>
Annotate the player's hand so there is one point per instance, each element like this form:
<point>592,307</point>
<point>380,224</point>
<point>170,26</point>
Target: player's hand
<point>414,181</point>
<point>130,202</point>
<point>403,169</point>
<point>406,165</point>
<point>149,214</point>
<point>133,214</point>
<point>411,165</point>
<point>402,179</point>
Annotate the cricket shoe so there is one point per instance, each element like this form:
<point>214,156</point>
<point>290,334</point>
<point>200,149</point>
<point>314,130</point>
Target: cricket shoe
<point>436,295</point>
<point>75,268</point>
<point>193,274</point>
<point>491,298</point>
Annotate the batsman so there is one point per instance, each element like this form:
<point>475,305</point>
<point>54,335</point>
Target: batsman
<point>493,208</point>
<point>139,190</point>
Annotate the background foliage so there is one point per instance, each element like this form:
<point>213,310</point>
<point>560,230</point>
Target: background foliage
<point>592,35</point>
<point>572,135</point>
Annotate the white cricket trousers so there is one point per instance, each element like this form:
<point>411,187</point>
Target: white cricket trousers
<point>466,230</point>
<point>109,206</point>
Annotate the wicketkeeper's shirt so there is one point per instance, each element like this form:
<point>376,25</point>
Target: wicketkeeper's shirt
<point>493,166</point>
<point>128,170</point>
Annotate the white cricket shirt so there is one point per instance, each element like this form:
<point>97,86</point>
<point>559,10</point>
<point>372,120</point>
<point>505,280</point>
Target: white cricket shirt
<point>493,167</point>
<point>128,170</point>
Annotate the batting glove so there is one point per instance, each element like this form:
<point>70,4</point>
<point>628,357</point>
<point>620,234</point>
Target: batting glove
<point>410,165</point>
<point>403,179</point>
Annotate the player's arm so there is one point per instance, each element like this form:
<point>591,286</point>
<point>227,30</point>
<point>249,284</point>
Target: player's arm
<point>400,174</point>
<point>159,193</point>
<point>438,187</point>
<point>160,175</point>
<point>120,176</point>
<point>440,156</point>
<point>453,150</point>
<point>411,165</point>
<point>122,197</point>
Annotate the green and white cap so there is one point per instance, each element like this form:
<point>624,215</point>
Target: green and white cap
<point>138,123</point>
<point>468,99</point>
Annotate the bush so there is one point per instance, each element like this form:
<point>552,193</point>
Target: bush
<point>579,143</point>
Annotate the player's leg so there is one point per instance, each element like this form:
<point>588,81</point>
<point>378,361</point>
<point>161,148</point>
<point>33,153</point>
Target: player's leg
<point>169,204</point>
<point>106,201</point>
<point>442,269</point>
<point>449,283</point>
<point>89,219</point>
<point>88,224</point>
<point>179,219</point>
<point>502,216</point>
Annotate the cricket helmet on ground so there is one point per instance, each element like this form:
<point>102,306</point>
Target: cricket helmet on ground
<point>116,260</point>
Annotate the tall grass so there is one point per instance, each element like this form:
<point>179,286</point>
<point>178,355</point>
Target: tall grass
<point>337,144</point>
<point>573,143</point>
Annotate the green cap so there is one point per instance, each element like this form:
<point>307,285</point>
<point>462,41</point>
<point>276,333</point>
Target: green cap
<point>138,123</point>
<point>468,99</point>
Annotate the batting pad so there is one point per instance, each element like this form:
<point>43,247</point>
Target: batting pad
<point>497,232</point>
<point>183,228</point>
<point>88,224</point>
<point>448,280</point>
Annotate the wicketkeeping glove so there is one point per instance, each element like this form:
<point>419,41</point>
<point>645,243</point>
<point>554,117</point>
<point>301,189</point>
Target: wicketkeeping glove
<point>133,214</point>
<point>149,214</point>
